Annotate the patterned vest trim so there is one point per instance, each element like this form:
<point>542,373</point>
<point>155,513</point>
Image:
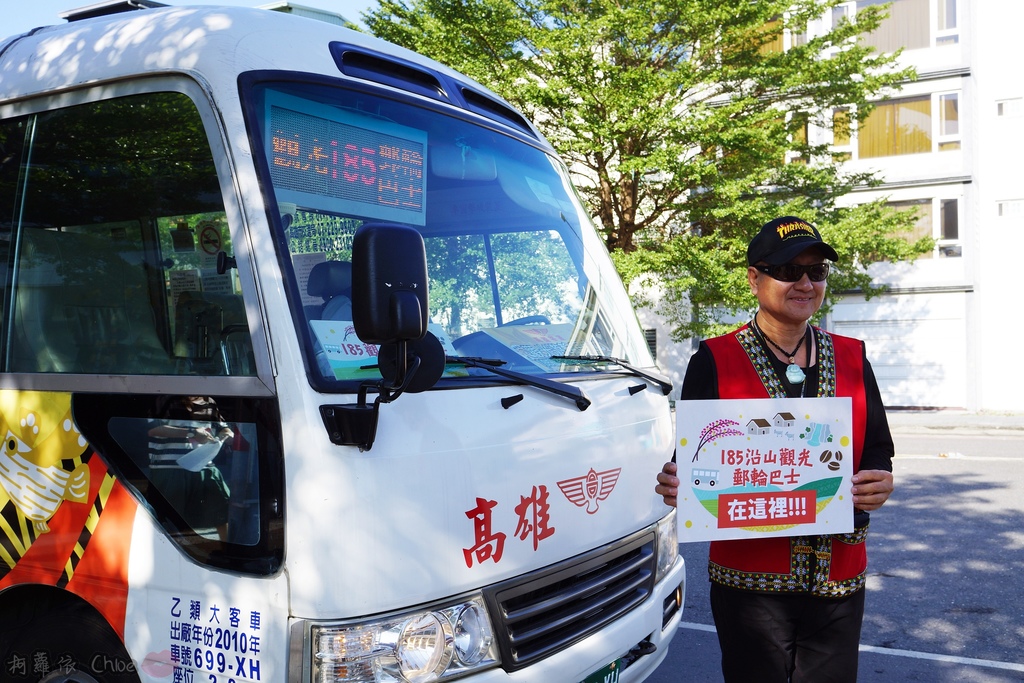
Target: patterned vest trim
<point>826,565</point>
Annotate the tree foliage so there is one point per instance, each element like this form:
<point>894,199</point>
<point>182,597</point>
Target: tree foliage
<point>678,118</point>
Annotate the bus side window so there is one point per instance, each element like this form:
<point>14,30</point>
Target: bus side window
<point>199,467</point>
<point>117,223</point>
<point>81,307</point>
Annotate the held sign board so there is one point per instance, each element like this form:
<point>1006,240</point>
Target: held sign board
<point>757,468</point>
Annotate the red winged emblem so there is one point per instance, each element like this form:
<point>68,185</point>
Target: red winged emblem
<point>586,491</point>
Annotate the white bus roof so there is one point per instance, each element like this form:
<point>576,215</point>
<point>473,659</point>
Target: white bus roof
<point>212,44</point>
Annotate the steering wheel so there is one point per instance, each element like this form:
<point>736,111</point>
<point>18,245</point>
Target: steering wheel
<point>528,320</point>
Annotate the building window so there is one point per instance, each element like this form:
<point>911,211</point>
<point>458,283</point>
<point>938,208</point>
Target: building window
<point>775,38</point>
<point>841,127</point>
<point>910,24</point>
<point>905,27</point>
<point>938,219</point>
<point>950,224</point>
<point>1010,208</point>
<point>923,225</point>
<point>651,336</point>
<point>910,125</point>
<point>949,121</point>
<point>840,13</point>
<point>799,125</point>
<point>842,137</point>
<point>897,127</point>
<point>947,32</point>
<point>1010,108</point>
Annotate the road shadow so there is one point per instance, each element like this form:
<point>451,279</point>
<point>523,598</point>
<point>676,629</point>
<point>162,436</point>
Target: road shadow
<point>944,578</point>
<point>946,565</point>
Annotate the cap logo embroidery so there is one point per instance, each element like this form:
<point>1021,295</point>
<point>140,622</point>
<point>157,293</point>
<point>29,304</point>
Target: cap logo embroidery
<point>785,229</point>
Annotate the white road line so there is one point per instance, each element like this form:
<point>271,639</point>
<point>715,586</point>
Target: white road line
<point>697,627</point>
<point>988,663</point>
<point>951,659</point>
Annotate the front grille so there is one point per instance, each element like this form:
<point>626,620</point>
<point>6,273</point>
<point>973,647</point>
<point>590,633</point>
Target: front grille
<point>545,612</point>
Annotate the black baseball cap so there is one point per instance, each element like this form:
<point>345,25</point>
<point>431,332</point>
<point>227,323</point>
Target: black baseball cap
<point>783,239</point>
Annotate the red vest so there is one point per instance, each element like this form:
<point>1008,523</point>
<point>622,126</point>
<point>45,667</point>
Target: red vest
<point>828,565</point>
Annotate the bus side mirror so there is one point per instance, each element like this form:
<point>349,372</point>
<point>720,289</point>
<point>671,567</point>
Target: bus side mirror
<point>389,284</point>
<point>389,308</point>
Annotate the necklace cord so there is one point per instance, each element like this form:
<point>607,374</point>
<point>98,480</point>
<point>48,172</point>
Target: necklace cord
<point>791,355</point>
<point>794,375</point>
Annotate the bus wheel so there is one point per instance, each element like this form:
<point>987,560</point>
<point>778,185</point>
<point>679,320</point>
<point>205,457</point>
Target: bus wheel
<point>57,637</point>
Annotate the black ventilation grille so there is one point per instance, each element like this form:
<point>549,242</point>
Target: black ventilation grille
<point>491,108</point>
<point>364,64</point>
<point>387,71</point>
<point>549,610</point>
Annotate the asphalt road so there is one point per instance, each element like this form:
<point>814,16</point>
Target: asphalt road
<point>945,598</point>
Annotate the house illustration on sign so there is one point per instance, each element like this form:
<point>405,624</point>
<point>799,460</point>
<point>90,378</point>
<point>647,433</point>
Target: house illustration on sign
<point>784,420</point>
<point>758,426</point>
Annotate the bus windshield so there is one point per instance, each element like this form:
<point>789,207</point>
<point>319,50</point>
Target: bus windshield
<point>517,272</point>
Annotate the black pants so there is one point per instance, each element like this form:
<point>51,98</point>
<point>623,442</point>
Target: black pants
<point>787,638</point>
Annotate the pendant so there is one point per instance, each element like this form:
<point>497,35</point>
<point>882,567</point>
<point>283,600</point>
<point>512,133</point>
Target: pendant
<point>794,375</point>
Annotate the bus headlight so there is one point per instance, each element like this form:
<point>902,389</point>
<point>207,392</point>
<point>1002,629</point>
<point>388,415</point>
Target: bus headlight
<point>418,647</point>
<point>668,545</point>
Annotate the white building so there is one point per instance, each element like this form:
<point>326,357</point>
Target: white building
<point>951,146</point>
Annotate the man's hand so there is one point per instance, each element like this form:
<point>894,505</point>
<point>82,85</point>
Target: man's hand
<point>668,484</point>
<point>871,488</point>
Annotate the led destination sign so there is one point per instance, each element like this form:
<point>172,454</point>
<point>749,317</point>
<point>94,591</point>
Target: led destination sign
<point>325,158</point>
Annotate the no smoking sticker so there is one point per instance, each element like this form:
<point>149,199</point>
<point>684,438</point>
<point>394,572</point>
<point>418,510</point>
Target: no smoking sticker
<point>209,238</point>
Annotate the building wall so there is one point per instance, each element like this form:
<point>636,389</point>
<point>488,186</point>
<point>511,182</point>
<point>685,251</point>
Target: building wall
<point>998,165</point>
<point>941,337</point>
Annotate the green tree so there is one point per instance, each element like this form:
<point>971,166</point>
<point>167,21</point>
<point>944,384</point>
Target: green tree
<point>677,118</point>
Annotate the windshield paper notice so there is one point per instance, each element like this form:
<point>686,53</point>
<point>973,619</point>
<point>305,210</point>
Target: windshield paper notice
<point>764,467</point>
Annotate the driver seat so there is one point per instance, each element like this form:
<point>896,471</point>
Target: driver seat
<point>332,281</point>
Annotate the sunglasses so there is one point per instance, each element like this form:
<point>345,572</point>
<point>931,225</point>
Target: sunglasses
<point>794,272</point>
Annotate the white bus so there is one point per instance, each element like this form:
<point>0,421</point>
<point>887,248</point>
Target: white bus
<point>313,369</point>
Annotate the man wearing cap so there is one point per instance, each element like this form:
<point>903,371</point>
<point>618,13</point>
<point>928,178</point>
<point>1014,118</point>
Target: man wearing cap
<point>790,608</point>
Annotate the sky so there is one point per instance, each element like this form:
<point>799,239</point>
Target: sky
<point>18,16</point>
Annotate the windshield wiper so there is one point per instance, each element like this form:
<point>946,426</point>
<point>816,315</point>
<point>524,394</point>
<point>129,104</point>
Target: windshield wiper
<point>490,365</point>
<point>461,360</point>
<point>663,383</point>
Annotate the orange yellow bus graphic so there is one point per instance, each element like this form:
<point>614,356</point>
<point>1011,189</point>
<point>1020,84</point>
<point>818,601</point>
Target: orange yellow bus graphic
<point>54,490</point>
